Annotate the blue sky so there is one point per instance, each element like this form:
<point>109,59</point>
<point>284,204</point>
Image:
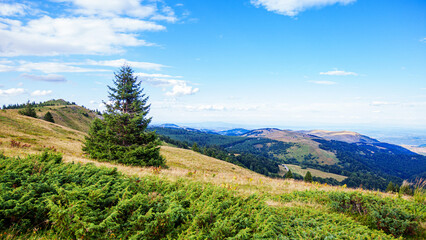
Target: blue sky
<point>304,63</point>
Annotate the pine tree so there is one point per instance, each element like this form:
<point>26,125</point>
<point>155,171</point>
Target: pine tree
<point>308,177</point>
<point>288,174</point>
<point>121,135</point>
<point>48,117</point>
<point>195,147</point>
<point>28,110</point>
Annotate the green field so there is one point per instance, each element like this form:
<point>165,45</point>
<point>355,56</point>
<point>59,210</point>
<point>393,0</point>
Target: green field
<point>316,173</point>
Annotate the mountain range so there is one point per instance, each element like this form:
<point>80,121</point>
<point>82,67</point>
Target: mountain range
<point>363,160</point>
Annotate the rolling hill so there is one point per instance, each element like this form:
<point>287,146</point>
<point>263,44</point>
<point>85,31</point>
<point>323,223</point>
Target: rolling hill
<point>343,136</point>
<point>359,160</point>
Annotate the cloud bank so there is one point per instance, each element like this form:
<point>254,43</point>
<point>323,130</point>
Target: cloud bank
<point>338,73</point>
<point>90,27</point>
<point>294,7</point>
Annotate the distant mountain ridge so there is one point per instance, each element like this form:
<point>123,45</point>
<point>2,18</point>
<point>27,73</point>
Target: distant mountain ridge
<point>363,160</point>
<point>343,136</point>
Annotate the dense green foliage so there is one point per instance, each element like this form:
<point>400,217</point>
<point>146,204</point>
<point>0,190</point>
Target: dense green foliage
<point>370,166</point>
<point>120,136</point>
<point>308,177</point>
<point>28,110</point>
<point>288,174</point>
<point>392,187</point>
<point>256,154</point>
<point>191,137</point>
<point>394,216</point>
<point>73,201</point>
<point>48,117</point>
<point>373,166</point>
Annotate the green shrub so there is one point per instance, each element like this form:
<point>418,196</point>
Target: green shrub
<point>48,117</point>
<point>28,110</point>
<point>377,212</point>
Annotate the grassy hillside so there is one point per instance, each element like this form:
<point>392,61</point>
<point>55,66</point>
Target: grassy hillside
<point>37,135</point>
<point>305,149</point>
<point>197,196</point>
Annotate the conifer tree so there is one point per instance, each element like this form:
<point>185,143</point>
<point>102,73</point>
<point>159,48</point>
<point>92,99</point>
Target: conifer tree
<point>121,135</point>
<point>48,117</point>
<point>28,110</point>
<point>195,147</point>
<point>288,174</point>
<point>308,177</point>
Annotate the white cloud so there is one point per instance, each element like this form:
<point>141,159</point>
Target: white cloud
<point>12,92</point>
<point>155,75</point>
<point>113,7</point>
<point>120,62</point>
<point>46,67</point>
<point>45,78</point>
<point>40,93</point>
<point>14,9</point>
<point>294,7</point>
<point>181,90</point>
<point>338,73</point>
<point>179,87</point>
<point>48,36</point>
<point>167,15</point>
<point>221,107</point>
<point>324,82</point>
<point>423,40</point>
<point>382,103</point>
<point>206,108</point>
<point>74,67</point>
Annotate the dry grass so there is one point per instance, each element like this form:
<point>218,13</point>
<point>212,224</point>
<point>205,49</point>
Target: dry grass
<point>197,167</point>
<point>37,133</point>
<point>69,116</point>
<point>314,172</point>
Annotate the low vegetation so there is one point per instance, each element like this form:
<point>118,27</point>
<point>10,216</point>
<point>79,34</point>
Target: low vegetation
<point>84,201</point>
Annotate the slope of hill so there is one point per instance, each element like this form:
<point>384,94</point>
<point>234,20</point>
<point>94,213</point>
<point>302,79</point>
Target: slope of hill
<point>305,150</point>
<point>37,135</point>
<point>72,116</point>
<point>284,208</point>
